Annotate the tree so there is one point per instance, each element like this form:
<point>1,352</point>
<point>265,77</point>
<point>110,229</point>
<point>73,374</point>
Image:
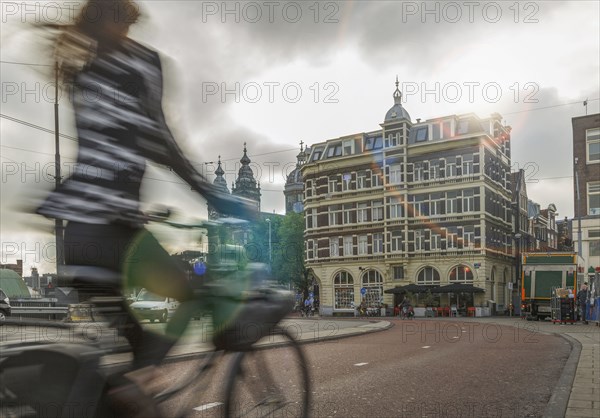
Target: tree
<point>288,256</point>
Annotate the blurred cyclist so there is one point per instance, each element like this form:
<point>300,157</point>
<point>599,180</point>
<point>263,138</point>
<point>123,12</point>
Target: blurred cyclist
<point>117,99</point>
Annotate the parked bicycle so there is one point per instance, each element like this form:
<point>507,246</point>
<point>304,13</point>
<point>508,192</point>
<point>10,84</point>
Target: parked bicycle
<point>267,373</point>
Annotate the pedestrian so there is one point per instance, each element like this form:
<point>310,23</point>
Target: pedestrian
<point>581,302</point>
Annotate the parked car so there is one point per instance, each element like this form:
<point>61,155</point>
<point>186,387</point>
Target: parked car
<point>4,306</point>
<point>150,306</point>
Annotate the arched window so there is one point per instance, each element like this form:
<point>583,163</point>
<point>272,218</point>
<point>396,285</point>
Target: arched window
<point>372,281</point>
<point>428,275</point>
<point>461,273</point>
<point>343,290</point>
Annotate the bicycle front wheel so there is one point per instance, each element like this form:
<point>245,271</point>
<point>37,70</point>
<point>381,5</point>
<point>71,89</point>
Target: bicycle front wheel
<point>269,381</point>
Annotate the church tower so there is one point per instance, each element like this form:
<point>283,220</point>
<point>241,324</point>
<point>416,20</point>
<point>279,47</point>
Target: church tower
<point>245,185</point>
<point>221,185</point>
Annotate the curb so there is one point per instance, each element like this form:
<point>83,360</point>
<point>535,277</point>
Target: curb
<point>368,329</point>
<point>557,405</point>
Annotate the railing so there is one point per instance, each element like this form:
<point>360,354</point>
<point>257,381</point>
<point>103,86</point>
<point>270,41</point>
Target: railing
<point>38,308</point>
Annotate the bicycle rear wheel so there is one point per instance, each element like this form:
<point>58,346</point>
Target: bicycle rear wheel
<point>270,381</point>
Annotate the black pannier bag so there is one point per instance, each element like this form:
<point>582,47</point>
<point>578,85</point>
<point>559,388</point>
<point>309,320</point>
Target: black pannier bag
<point>246,308</point>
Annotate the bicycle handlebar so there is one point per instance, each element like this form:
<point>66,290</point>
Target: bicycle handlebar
<point>162,216</point>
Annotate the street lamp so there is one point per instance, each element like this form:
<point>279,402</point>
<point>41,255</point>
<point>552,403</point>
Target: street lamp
<point>269,222</point>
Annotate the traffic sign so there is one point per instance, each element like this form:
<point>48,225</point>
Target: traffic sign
<point>363,290</point>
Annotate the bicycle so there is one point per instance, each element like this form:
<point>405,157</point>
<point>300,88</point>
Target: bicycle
<point>68,376</point>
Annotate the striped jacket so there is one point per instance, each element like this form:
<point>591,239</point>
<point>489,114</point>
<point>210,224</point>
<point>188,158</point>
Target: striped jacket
<point>120,124</point>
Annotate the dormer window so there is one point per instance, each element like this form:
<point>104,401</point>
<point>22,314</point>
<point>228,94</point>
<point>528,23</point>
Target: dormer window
<point>349,147</point>
<point>463,127</point>
<point>421,134</point>
<point>334,150</point>
<point>317,154</point>
<point>373,143</point>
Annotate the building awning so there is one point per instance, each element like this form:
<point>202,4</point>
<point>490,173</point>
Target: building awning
<point>409,288</point>
<point>458,288</point>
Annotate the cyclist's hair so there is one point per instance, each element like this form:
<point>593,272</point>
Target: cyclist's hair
<point>99,24</point>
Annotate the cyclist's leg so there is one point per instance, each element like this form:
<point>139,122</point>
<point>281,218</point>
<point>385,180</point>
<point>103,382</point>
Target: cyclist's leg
<point>100,246</point>
<point>138,255</point>
<point>147,264</point>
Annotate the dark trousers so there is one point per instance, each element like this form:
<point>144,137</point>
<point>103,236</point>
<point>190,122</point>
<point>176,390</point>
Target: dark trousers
<point>136,255</point>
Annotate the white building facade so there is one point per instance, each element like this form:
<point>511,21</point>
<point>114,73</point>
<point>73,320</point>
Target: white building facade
<point>425,202</point>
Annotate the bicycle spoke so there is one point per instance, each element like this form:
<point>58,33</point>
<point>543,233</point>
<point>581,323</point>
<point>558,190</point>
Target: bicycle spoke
<point>269,383</point>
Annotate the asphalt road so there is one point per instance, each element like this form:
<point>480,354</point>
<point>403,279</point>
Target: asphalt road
<point>415,369</point>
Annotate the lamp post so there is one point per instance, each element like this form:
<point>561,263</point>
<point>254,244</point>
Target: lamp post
<point>269,222</point>
<point>577,211</point>
<point>517,272</point>
<point>58,223</point>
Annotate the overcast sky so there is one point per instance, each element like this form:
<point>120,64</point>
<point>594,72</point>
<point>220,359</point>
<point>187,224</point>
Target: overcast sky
<point>273,74</point>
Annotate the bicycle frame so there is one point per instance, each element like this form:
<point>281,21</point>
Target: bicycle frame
<point>87,356</point>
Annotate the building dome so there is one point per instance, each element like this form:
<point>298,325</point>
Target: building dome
<point>397,112</point>
<point>13,285</point>
<point>294,185</point>
<point>295,176</point>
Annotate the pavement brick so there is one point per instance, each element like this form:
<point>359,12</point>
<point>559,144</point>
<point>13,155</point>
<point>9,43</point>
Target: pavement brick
<point>578,396</point>
<point>583,389</point>
<point>580,403</point>
<point>581,413</point>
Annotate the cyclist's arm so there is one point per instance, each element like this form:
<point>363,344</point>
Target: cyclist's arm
<point>159,145</point>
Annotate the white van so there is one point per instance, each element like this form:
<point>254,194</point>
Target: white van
<point>153,307</point>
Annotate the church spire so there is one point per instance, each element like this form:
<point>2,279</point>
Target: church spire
<point>245,184</point>
<point>301,157</point>
<point>397,94</point>
<point>220,181</point>
<point>245,160</point>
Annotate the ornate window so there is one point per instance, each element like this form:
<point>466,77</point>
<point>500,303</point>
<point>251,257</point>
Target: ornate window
<point>428,275</point>
<point>377,210</point>
<point>363,245</point>
<point>348,246</point>
<point>396,240</point>
<point>395,176</point>
<point>361,180</point>
<point>372,281</point>
<point>362,212</point>
<point>398,272</point>
<point>461,273</point>
<point>334,245</point>
<point>343,291</point>
<point>395,207</point>
<point>378,243</point>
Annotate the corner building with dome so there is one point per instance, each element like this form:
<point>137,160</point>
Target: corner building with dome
<point>423,202</point>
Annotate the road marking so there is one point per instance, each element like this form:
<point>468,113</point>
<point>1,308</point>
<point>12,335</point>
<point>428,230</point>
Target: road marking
<point>426,346</point>
<point>454,338</point>
<point>207,406</point>
<point>360,364</point>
